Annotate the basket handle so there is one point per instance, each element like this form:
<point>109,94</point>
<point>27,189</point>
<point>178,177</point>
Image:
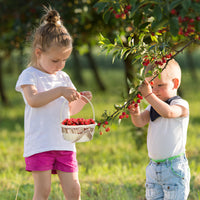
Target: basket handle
<point>88,102</point>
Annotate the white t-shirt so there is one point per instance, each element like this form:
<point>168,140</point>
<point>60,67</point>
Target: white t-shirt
<point>42,125</point>
<point>167,136</point>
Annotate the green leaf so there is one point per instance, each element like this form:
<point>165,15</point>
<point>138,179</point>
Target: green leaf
<point>130,84</point>
<point>158,24</point>
<point>196,7</point>
<point>144,25</point>
<point>154,38</point>
<point>100,6</point>
<point>174,26</point>
<point>131,90</point>
<point>106,16</point>
<point>117,107</point>
<point>174,4</point>
<point>186,4</point>
<point>157,13</point>
<point>137,18</point>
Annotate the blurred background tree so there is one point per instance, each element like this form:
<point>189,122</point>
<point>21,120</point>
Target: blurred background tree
<point>19,18</point>
<point>127,24</point>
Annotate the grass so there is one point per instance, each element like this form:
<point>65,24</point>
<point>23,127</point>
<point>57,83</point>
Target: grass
<point>111,166</point>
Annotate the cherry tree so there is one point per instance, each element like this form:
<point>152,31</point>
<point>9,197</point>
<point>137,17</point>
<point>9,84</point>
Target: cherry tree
<point>147,31</point>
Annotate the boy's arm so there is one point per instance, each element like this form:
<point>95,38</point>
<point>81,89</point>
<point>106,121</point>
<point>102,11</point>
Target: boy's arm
<point>166,110</point>
<point>38,99</point>
<point>161,107</point>
<point>138,118</point>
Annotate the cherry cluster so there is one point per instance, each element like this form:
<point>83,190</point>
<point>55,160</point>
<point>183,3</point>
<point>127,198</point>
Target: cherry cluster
<point>187,24</point>
<point>123,115</point>
<point>161,61</point>
<point>123,12</point>
<point>77,121</point>
<point>136,101</point>
<point>105,126</point>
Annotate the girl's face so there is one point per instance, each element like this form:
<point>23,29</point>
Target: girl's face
<point>164,88</point>
<point>52,60</point>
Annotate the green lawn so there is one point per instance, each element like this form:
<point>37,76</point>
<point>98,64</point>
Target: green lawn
<point>111,166</point>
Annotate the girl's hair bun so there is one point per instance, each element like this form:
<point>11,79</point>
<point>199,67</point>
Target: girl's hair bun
<point>52,17</point>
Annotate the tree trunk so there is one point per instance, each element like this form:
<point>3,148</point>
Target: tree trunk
<point>129,70</point>
<point>2,91</point>
<point>95,70</point>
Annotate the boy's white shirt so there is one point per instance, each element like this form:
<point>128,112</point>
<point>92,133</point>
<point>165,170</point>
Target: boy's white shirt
<point>42,125</point>
<point>167,136</point>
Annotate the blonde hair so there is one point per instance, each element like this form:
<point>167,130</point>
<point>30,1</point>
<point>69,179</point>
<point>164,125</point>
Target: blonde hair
<point>171,71</point>
<point>50,32</point>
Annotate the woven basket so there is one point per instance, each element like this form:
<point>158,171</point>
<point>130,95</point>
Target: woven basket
<point>79,133</point>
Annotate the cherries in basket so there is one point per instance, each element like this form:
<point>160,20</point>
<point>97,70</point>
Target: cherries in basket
<point>77,121</point>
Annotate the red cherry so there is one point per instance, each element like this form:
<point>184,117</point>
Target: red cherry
<point>121,117</point>
<point>198,18</point>
<point>138,101</point>
<point>107,129</point>
<point>100,133</point>
<point>106,122</point>
<point>173,12</point>
<point>129,107</point>
<point>128,7</point>
<point>136,105</point>
<point>117,16</point>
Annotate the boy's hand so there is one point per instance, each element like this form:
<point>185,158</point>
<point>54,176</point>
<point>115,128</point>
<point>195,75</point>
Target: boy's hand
<point>87,94</point>
<point>133,109</point>
<point>145,88</point>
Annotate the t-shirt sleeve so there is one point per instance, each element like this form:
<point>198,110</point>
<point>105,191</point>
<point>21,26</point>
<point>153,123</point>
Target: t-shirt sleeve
<point>68,80</point>
<point>148,108</point>
<point>180,102</point>
<point>25,78</point>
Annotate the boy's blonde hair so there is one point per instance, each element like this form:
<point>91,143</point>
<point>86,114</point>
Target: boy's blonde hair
<point>50,32</point>
<point>171,71</point>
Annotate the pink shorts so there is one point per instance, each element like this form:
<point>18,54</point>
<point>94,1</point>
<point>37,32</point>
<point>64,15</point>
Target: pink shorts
<point>52,160</point>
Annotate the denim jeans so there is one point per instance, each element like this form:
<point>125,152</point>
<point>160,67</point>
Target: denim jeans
<point>168,180</point>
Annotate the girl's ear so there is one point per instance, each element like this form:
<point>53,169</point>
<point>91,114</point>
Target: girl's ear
<point>176,83</point>
<point>38,52</point>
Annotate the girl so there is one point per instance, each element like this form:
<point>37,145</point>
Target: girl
<point>44,88</point>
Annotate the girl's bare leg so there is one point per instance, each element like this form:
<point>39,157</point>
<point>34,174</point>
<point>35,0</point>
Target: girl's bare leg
<point>42,184</point>
<point>70,185</point>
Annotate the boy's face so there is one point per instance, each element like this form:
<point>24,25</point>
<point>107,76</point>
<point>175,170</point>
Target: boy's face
<point>164,87</point>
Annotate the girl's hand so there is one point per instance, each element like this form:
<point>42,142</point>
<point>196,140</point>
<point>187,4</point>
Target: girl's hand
<point>87,94</point>
<point>145,88</point>
<point>70,94</point>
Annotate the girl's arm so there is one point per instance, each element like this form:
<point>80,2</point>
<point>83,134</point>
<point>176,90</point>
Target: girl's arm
<point>76,106</point>
<point>38,99</point>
